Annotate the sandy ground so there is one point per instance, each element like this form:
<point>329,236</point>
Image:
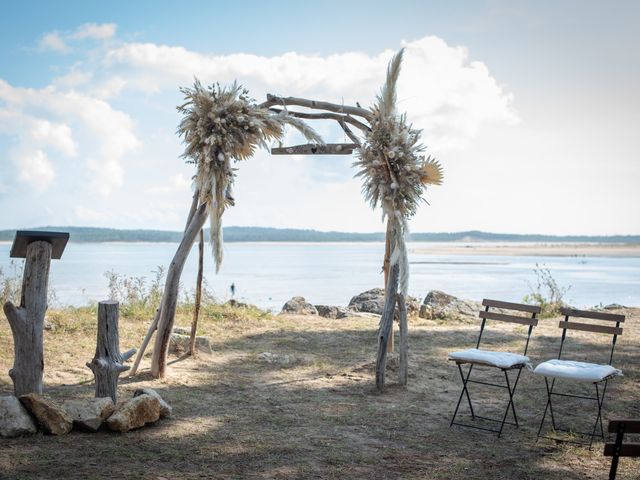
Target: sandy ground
<point>533,249</point>
<point>314,413</point>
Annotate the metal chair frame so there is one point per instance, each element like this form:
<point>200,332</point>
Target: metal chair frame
<point>486,315</point>
<point>599,393</point>
<point>619,448</point>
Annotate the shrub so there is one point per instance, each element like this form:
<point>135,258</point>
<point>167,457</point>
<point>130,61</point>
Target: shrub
<point>546,293</point>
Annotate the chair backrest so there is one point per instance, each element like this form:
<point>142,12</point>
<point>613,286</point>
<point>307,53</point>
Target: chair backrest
<point>620,448</point>
<point>510,317</point>
<point>606,329</point>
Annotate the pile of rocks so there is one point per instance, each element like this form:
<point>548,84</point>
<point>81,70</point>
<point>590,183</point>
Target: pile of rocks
<point>28,413</point>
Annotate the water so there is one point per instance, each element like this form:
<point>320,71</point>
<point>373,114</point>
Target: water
<point>268,274</point>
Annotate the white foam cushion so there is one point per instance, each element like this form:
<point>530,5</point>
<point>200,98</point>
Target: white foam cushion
<point>489,357</point>
<point>589,372</point>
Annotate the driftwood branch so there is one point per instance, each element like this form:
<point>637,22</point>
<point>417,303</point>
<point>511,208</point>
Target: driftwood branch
<point>170,296</point>
<point>303,102</point>
<point>325,116</point>
<point>314,149</point>
<point>198,299</point>
<point>27,321</point>
<point>404,340</point>
<point>108,362</point>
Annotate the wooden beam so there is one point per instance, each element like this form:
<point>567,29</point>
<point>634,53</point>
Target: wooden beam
<point>314,149</point>
<point>303,102</point>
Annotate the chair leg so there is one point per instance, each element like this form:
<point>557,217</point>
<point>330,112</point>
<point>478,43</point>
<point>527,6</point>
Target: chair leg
<point>547,407</point>
<point>510,404</point>
<point>600,401</point>
<point>462,393</point>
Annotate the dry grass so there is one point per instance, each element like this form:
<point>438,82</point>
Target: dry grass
<point>317,416</point>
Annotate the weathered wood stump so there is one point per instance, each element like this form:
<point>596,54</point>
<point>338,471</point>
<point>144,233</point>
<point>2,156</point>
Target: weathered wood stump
<point>108,362</point>
<point>27,321</point>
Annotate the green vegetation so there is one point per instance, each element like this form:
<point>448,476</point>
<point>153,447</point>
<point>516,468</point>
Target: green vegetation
<point>546,292</point>
<point>264,234</point>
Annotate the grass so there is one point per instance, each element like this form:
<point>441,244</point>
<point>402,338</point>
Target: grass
<point>317,415</point>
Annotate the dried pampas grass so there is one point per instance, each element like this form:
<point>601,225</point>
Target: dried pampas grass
<point>221,125</point>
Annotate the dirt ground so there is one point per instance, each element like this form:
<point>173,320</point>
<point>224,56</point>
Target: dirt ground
<point>310,410</point>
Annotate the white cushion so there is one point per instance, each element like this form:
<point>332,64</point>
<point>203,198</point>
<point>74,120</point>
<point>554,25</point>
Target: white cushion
<point>489,357</point>
<point>588,372</point>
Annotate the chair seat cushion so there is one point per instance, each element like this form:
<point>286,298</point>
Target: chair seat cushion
<point>588,372</point>
<point>489,357</point>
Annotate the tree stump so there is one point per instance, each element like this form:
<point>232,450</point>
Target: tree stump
<point>107,364</point>
<point>27,321</point>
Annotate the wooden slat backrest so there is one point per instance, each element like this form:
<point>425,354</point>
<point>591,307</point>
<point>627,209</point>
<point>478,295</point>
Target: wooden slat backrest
<point>631,449</point>
<point>587,327</point>
<point>511,306</point>
<point>508,318</point>
<point>572,312</point>
<point>630,425</point>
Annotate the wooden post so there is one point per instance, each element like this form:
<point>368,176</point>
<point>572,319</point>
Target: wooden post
<point>386,320</point>
<point>27,321</point>
<point>404,340</point>
<point>108,362</point>
<point>170,296</point>
<point>387,256</point>
<point>198,299</point>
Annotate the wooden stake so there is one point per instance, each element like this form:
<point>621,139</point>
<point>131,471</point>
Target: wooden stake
<point>198,299</point>
<point>386,320</point>
<point>27,321</point>
<point>387,256</point>
<point>404,340</point>
<point>108,362</point>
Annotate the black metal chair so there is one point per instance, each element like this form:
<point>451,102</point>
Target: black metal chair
<point>505,361</point>
<point>596,374</point>
<point>619,448</point>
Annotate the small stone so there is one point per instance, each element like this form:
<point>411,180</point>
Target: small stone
<point>165,408</point>
<point>299,306</point>
<point>47,325</point>
<point>50,416</point>
<point>89,414</point>
<point>14,418</point>
<point>135,413</point>
<point>182,330</point>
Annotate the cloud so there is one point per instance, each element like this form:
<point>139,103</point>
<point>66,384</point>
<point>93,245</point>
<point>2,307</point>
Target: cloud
<point>108,134</point>
<point>443,90</point>
<point>35,168</point>
<point>60,41</point>
<point>95,31</point>
<point>53,41</point>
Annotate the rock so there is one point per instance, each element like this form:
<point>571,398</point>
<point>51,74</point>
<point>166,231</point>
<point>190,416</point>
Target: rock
<point>236,304</point>
<point>440,305</point>
<point>14,418</point>
<point>179,344</point>
<point>371,301</point>
<point>614,306</point>
<point>135,413</point>
<point>281,359</point>
<point>330,311</point>
<point>165,408</point>
<point>88,414</point>
<point>299,306</point>
<point>50,416</point>
<point>182,330</point>
<point>47,325</point>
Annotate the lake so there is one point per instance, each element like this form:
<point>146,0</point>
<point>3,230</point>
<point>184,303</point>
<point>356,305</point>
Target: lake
<point>268,274</point>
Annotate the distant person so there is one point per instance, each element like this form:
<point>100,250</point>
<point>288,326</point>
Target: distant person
<point>233,289</point>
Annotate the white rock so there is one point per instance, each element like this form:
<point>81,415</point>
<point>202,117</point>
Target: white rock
<point>88,414</point>
<point>14,418</point>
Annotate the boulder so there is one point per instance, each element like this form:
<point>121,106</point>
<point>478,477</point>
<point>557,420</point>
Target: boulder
<point>440,305</point>
<point>165,408</point>
<point>14,418</point>
<point>182,330</point>
<point>50,416</point>
<point>135,413</point>
<point>371,301</point>
<point>330,311</point>
<point>179,344</point>
<point>88,414</point>
<point>299,306</point>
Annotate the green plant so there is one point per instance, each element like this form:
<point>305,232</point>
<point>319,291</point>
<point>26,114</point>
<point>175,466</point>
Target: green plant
<point>546,292</point>
<point>135,296</point>
<point>11,284</point>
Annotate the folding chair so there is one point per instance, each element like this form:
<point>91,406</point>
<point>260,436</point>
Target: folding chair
<point>580,371</point>
<point>505,361</point>
<point>618,449</point>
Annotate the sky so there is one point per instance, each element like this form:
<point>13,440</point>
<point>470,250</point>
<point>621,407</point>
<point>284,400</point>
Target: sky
<point>532,108</point>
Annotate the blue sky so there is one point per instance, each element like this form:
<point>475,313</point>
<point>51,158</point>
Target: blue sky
<point>532,108</point>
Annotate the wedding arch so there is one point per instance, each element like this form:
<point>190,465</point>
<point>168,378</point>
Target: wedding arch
<point>222,125</point>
